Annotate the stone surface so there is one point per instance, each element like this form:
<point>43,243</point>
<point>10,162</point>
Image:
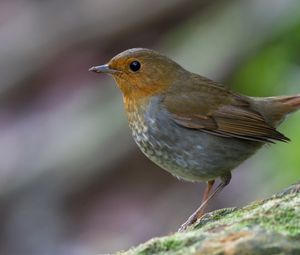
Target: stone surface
<point>270,226</point>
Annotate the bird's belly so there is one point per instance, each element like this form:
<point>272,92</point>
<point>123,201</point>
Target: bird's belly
<point>191,155</point>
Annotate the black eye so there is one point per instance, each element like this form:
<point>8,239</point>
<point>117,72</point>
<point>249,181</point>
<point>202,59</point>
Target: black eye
<point>135,66</point>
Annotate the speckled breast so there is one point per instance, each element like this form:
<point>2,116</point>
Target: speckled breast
<point>188,154</point>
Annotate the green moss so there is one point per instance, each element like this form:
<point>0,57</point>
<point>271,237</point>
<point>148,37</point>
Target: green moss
<point>270,215</point>
<point>167,245</point>
<point>267,226</point>
<point>174,244</point>
<point>285,220</point>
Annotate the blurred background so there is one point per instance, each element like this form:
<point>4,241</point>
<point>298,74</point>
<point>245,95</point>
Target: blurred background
<point>71,179</point>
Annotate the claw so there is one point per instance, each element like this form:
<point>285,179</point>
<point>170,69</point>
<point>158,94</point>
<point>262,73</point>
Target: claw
<point>190,221</point>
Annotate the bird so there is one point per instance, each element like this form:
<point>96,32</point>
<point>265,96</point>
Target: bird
<point>195,128</point>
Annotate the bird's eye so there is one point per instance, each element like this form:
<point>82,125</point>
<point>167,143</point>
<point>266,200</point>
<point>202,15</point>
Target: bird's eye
<point>135,66</point>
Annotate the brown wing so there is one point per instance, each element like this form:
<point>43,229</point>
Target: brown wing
<point>219,112</point>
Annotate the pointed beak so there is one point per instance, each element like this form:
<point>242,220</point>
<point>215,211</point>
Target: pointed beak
<point>102,69</point>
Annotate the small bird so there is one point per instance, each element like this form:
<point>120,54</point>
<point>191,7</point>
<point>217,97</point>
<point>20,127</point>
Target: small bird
<point>193,127</point>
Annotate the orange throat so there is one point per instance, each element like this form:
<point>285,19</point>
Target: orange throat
<point>135,104</point>
<point>139,91</point>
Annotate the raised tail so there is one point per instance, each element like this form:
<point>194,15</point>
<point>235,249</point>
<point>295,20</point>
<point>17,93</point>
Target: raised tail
<point>290,103</point>
<point>275,109</point>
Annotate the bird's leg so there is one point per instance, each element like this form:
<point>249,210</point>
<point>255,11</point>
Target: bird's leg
<point>225,179</point>
<point>207,191</point>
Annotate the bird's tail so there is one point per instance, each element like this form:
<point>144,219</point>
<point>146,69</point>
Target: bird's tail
<point>292,103</point>
<point>289,103</point>
<point>275,109</point>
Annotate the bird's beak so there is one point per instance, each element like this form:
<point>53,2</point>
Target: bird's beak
<point>102,69</point>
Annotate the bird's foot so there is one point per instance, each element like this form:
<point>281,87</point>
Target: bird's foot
<point>190,221</point>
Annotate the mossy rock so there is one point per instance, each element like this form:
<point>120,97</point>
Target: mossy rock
<point>271,226</point>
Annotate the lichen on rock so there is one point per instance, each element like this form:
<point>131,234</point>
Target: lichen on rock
<point>270,226</point>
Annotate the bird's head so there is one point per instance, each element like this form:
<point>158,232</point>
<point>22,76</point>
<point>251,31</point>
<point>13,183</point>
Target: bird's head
<point>141,72</point>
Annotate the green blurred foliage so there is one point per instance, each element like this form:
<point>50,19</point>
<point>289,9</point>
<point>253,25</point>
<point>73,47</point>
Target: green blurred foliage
<point>271,69</point>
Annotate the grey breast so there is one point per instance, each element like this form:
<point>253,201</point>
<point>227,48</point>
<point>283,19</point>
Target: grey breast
<point>186,153</point>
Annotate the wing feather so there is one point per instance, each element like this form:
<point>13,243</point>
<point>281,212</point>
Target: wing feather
<point>225,114</point>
